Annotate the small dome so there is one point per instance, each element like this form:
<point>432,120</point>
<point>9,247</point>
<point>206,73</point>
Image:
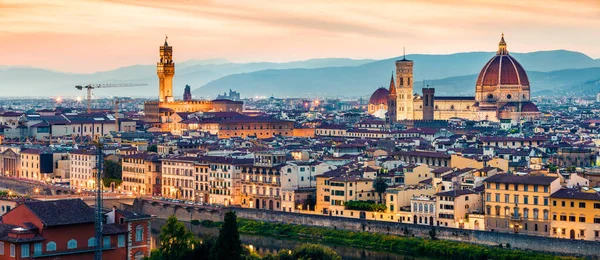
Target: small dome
<point>529,107</point>
<point>380,96</point>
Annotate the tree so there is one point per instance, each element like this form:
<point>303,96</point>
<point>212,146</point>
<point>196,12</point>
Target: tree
<point>315,252</point>
<point>113,170</point>
<point>152,148</point>
<point>380,187</point>
<point>176,242</point>
<point>229,245</point>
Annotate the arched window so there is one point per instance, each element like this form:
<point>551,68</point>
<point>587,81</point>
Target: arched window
<point>415,206</point>
<point>431,208</point>
<point>72,244</point>
<point>92,242</point>
<point>51,246</point>
<point>420,207</point>
<point>139,233</point>
<point>289,170</point>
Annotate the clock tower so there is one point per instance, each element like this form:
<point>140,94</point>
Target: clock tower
<point>165,69</point>
<point>404,89</point>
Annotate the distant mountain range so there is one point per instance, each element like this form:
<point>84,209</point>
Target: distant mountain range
<point>451,74</point>
<point>25,81</point>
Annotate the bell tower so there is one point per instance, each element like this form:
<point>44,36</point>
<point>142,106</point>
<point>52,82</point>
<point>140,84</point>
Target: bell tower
<point>404,86</point>
<point>165,69</point>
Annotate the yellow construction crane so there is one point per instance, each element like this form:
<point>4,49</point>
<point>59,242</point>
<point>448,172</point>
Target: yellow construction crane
<point>93,86</point>
<point>118,101</point>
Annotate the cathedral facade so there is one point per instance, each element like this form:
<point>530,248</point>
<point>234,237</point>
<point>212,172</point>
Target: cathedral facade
<point>156,111</point>
<point>502,92</point>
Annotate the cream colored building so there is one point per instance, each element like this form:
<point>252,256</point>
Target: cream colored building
<point>83,169</point>
<point>178,179</point>
<point>454,207</point>
<point>335,188</point>
<point>141,173</point>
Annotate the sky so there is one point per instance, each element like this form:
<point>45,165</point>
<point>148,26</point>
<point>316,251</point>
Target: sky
<point>84,36</point>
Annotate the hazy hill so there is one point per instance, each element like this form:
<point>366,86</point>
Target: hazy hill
<point>445,72</point>
<point>23,81</point>
<point>336,76</point>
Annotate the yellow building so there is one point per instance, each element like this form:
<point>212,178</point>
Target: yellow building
<point>575,214</point>
<point>335,188</point>
<point>519,203</point>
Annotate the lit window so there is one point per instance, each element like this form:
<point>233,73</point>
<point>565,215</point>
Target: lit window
<point>139,233</point>
<point>51,246</point>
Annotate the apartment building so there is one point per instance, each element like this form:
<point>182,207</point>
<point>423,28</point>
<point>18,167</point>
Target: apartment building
<point>335,188</point>
<point>454,207</point>
<point>519,203</point>
<point>299,182</point>
<point>423,209</point>
<point>83,169</point>
<point>261,181</point>
<point>39,163</point>
<point>224,178</point>
<point>178,179</point>
<point>141,174</point>
<point>575,214</point>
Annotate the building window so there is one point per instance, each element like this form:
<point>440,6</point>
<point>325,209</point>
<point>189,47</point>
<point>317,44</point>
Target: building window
<point>37,249</point>
<point>51,246</point>
<point>25,250</point>
<point>106,242</point>
<point>72,244</point>
<point>12,250</point>
<point>1,248</point>
<point>139,233</point>
<point>92,242</point>
<point>582,205</point>
<point>121,242</point>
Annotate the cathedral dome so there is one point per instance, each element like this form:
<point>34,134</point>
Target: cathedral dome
<point>502,69</point>
<point>380,96</point>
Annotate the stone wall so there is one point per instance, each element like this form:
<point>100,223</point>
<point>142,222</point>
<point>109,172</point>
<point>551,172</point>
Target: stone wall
<point>536,243</point>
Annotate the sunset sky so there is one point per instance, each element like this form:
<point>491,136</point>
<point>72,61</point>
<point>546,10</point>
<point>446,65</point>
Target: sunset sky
<point>96,35</point>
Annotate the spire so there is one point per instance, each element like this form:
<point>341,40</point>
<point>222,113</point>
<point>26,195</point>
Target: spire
<point>502,47</point>
<point>392,91</point>
<point>166,38</point>
<point>404,53</point>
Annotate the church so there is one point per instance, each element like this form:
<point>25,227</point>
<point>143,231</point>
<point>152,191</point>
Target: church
<point>502,92</point>
<point>156,112</point>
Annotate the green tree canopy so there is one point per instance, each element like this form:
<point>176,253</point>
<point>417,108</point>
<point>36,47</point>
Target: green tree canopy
<point>229,245</point>
<point>176,242</point>
<point>315,252</point>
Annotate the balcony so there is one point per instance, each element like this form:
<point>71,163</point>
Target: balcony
<point>516,218</point>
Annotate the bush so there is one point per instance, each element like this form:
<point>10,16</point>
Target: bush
<point>365,206</point>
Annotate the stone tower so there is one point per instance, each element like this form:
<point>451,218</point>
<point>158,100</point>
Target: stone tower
<point>165,69</point>
<point>428,104</point>
<point>391,115</point>
<point>187,93</point>
<point>404,89</point>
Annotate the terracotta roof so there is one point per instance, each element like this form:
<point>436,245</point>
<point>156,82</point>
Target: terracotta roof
<point>61,212</point>
<point>521,179</point>
<point>380,96</point>
<point>575,193</point>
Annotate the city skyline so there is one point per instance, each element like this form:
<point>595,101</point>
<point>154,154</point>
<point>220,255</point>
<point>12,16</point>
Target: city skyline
<point>89,36</point>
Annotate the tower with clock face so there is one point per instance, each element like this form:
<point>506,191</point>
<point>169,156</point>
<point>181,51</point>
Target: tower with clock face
<point>165,69</point>
<point>404,89</point>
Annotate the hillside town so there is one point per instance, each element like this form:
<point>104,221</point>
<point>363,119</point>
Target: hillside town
<point>495,162</point>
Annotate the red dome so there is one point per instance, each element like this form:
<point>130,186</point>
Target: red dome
<point>529,107</point>
<point>502,70</point>
<point>380,96</point>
